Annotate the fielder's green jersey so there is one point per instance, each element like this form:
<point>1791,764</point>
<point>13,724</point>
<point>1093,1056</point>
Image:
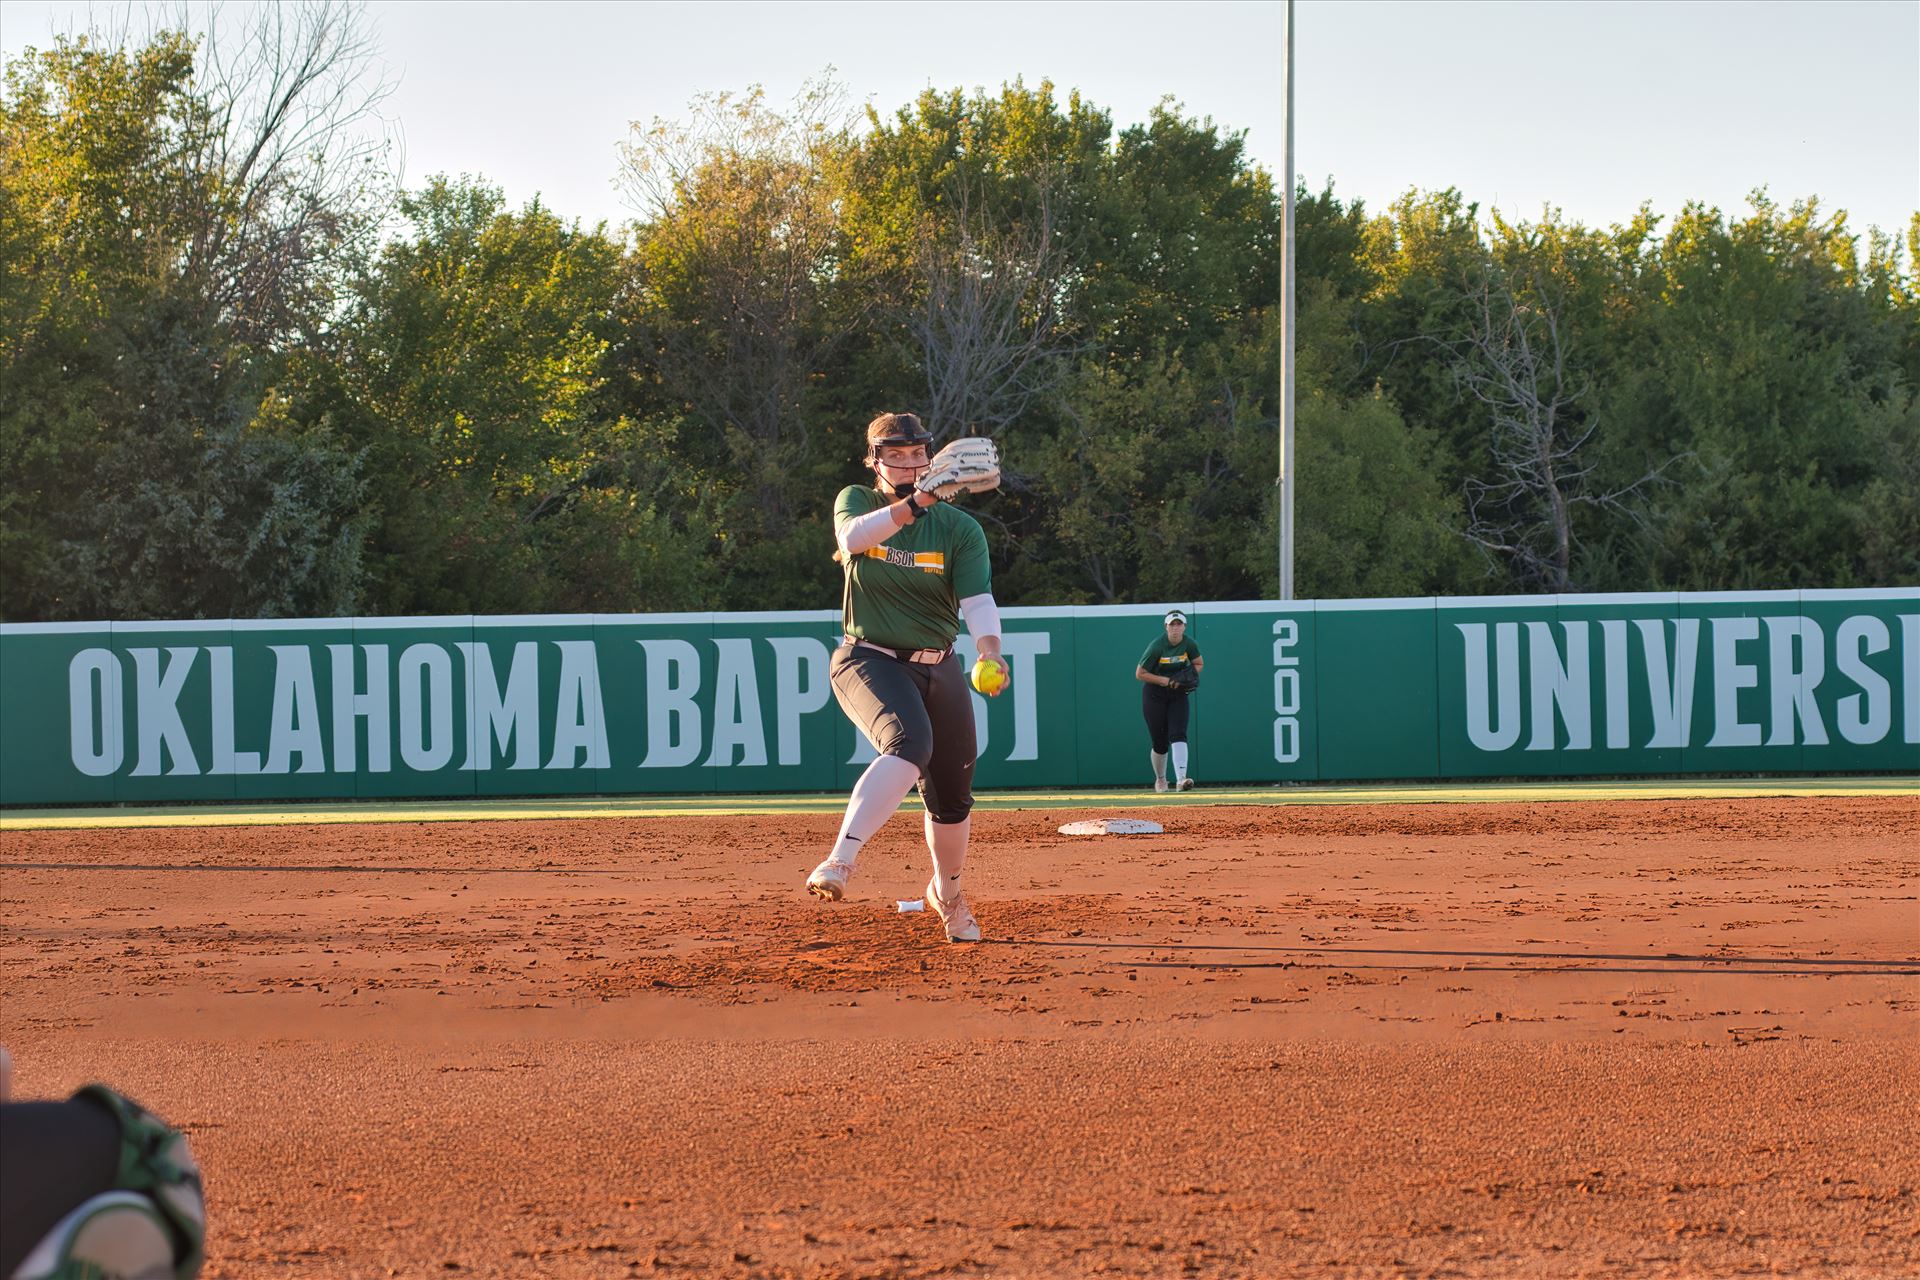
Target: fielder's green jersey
<point>1163,659</point>
<point>906,592</point>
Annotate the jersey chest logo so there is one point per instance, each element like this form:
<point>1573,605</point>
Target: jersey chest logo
<point>926,561</point>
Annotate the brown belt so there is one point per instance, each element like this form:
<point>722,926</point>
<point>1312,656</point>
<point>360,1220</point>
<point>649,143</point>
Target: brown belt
<point>926,656</point>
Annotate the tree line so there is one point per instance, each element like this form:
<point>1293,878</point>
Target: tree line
<point>243,375</point>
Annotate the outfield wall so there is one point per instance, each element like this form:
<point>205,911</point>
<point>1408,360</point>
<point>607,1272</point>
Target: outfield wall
<point>1786,682</point>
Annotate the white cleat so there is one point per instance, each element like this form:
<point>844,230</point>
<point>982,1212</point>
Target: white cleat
<point>117,1233</point>
<point>954,913</point>
<point>1186,784</point>
<point>1159,784</point>
<point>829,880</point>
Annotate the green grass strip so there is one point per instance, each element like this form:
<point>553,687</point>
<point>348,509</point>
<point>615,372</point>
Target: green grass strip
<point>549,807</point>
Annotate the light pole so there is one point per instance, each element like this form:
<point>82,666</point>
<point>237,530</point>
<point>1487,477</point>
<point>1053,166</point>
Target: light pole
<point>1286,326</point>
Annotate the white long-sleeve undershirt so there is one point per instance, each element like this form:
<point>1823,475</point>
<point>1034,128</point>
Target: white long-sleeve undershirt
<point>862,533</point>
<point>982,615</point>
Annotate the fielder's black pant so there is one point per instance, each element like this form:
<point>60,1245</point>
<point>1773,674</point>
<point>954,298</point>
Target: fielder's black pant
<point>919,711</point>
<point>54,1157</point>
<point>1166,713</point>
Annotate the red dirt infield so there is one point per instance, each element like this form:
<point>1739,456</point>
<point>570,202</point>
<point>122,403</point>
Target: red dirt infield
<point>1634,1038</point>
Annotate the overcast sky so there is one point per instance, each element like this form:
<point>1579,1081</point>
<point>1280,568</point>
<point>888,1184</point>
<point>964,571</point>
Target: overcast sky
<point>1593,107</point>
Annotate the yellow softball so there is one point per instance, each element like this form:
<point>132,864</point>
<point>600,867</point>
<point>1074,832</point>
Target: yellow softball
<point>989,677</point>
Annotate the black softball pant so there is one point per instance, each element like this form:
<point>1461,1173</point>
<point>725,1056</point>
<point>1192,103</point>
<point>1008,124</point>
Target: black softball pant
<point>919,711</point>
<point>54,1157</point>
<point>1166,714</point>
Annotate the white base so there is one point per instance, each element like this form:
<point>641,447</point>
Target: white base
<point>1113,827</point>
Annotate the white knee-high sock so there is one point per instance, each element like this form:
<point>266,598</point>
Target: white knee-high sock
<point>878,793</point>
<point>947,842</point>
<point>1179,761</point>
<point>1159,765</point>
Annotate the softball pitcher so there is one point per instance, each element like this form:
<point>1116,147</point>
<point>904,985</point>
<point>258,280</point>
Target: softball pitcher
<point>913,566</point>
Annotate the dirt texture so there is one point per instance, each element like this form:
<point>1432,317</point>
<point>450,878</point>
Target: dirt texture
<point>1652,1038</point>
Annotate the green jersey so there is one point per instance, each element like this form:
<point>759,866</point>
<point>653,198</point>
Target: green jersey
<point>1163,659</point>
<point>906,592</point>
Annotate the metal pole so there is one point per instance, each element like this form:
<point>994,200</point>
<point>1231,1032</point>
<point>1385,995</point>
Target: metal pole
<point>1286,330</point>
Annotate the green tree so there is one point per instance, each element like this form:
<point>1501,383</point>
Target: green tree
<point>1156,463</point>
<point>473,370</point>
<point>151,470</point>
<point>1422,256</point>
<point>1759,351</point>
<point>1190,239</point>
<point>737,311</point>
<point>219,396</point>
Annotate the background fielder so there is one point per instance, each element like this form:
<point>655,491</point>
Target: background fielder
<point>1170,669</point>
<point>913,565</point>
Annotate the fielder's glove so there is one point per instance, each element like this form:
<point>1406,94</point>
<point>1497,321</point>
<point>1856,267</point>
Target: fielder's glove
<point>967,465</point>
<point>1185,680</point>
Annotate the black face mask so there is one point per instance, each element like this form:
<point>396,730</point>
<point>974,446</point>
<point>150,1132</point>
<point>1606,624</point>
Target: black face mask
<point>901,490</point>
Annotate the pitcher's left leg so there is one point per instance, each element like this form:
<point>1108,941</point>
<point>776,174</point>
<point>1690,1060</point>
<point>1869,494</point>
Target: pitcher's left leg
<point>947,789</point>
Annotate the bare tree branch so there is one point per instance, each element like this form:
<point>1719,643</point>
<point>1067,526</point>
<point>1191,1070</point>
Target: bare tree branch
<point>985,314</point>
<point>299,164</point>
<point>1516,360</point>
